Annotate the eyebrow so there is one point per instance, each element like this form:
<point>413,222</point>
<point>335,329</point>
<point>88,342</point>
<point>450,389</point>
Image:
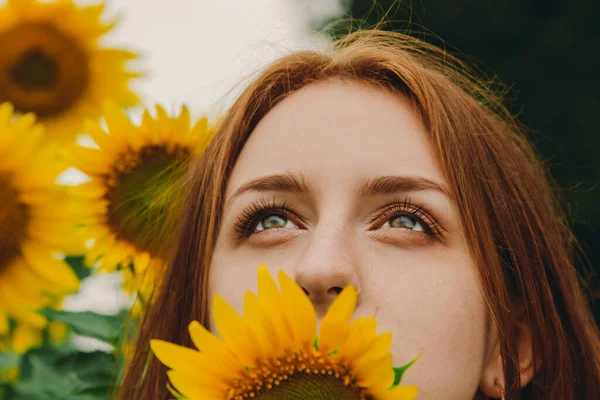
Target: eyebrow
<point>382,185</point>
<point>288,182</point>
<point>388,185</point>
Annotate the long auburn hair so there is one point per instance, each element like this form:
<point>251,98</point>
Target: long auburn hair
<point>518,237</point>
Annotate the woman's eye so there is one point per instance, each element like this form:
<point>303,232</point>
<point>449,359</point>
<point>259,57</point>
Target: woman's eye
<point>404,222</point>
<point>274,221</point>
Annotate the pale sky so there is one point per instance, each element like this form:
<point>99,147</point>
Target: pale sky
<point>196,51</point>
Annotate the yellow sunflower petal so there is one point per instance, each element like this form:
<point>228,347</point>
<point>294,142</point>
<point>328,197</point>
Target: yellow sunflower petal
<point>299,312</point>
<point>380,347</point>
<point>19,311</point>
<point>360,338</point>
<point>116,119</point>
<point>378,373</point>
<point>335,323</point>
<point>271,301</point>
<point>408,392</point>
<point>261,325</point>
<point>46,265</point>
<point>26,337</point>
<point>149,128</point>
<point>183,121</point>
<point>208,343</point>
<point>4,326</point>
<point>6,111</point>
<point>175,356</point>
<point>234,331</point>
<point>163,123</point>
<point>189,385</point>
<point>98,135</point>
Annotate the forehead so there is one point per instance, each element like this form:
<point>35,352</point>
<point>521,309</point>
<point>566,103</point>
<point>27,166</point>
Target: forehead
<point>337,131</point>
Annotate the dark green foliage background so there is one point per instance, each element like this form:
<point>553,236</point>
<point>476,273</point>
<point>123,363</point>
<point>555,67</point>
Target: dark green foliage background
<point>547,52</point>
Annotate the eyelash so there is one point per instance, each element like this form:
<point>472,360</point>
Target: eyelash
<point>257,211</point>
<point>407,207</point>
<point>262,208</point>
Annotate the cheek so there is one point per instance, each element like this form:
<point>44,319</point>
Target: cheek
<point>433,307</point>
<point>230,276</point>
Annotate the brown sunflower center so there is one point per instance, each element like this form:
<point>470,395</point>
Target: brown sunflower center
<point>13,222</point>
<point>299,377</point>
<point>143,189</point>
<point>42,70</point>
<point>35,71</point>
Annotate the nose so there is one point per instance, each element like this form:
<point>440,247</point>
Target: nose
<point>329,263</point>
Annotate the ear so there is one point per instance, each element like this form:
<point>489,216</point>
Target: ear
<point>493,382</point>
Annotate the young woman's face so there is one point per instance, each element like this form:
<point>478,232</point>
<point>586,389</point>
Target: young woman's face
<point>338,185</point>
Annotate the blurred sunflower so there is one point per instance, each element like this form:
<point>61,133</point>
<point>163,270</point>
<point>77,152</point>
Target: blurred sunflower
<point>32,275</point>
<point>271,352</point>
<point>52,65</point>
<point>136,174</point>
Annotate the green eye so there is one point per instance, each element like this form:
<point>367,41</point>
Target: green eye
<point>274,221</point>
<point>404,222</point>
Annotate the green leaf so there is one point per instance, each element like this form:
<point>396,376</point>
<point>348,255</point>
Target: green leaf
<point>104,327</point>
<point>8,359</point>
<point>64,373</point>
<point>4,391</point>
<point>399,371</point>
<point>77,263</point>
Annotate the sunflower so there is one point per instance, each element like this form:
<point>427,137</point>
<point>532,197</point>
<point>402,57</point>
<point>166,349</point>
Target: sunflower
<point>135,181</point>
<point>52,65</point>
<point>32,273</point>
<point>273,351</point>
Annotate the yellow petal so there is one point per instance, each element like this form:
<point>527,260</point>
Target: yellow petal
<point>6,111</point>
<point>163,122</point>
<point>208,343</point>
<point>18,311</point>
<point>92,161</point>
<point>31,286</point>
<point>379,348</point>
<point>88,190</point>
<point>335,323</point>
<point>4,326</point>
<point>378,374</point>
<point>235,333</point>
<point>299,312</point>
<point>101,138</point>
<point>149,127</point>
<point>141,262</point>
<point>360,337</point>
<point>175,356</point>
<point>42,261</point>
<point>408,392</point>
<point>26,337</point>
<point>261,326</point>
<point>191,387</point>
<point>270,299</point>
<point>182,124</point>
<point>117,121</point>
